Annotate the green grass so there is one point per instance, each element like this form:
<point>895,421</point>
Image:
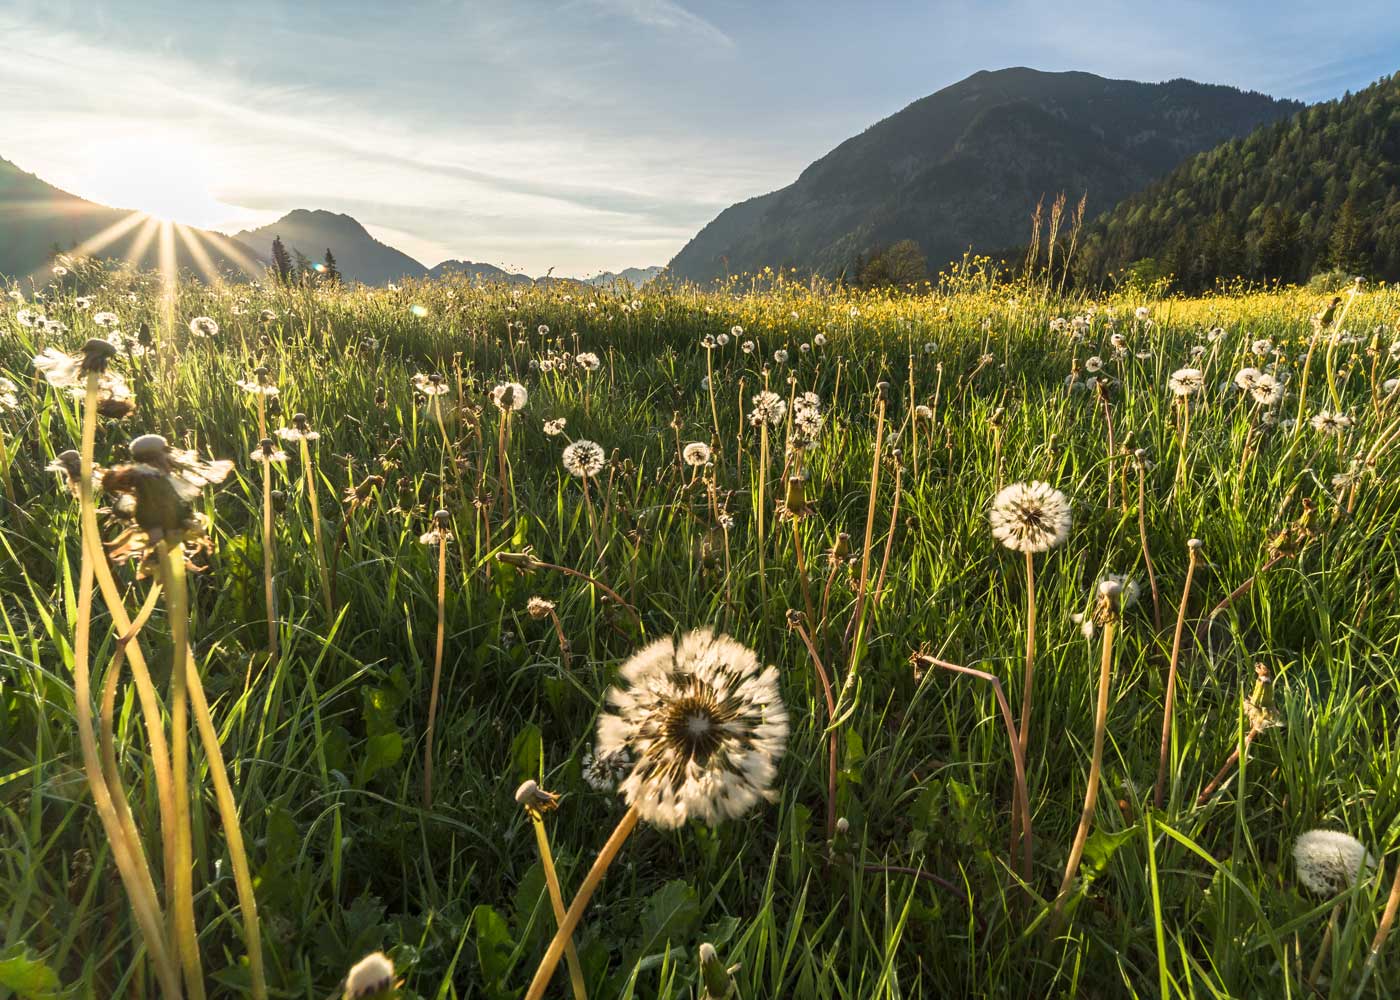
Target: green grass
<point>324,746</point>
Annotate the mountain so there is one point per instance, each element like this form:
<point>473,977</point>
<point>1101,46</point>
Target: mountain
<point>358,255</point>
<point>634,276</point>
<point>480,273</point>
<point>36,218</point>
<point>967,165</point>
<point>1319,190</point>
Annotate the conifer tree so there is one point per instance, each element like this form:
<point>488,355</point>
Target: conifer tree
<point>281,261</point>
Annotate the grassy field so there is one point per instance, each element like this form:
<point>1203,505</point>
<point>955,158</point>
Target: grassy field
<point>880,564</point>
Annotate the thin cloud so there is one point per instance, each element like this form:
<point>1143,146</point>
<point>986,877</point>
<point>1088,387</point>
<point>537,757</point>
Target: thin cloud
<point>668,16</point>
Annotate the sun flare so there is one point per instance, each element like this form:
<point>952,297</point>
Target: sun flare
<point>161,174</point>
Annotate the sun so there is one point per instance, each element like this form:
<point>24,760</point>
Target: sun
<point>161,174</point>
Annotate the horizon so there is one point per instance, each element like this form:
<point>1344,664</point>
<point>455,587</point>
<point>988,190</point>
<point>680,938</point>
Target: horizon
<point>594,135</point>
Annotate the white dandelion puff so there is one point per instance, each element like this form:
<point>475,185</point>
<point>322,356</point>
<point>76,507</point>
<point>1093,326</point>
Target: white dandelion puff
<point>706,725</point>
<point>1031,517</point>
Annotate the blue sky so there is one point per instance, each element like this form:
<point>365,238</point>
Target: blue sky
<point>581,135</point>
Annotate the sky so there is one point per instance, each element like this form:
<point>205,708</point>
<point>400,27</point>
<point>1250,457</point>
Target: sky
<point>578,135</point>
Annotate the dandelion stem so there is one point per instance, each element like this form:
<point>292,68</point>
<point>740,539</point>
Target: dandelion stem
<point>575,913</point>
<point>1392,906</point>
<point>177,607</point>
<point>1146,551</point>
<point>223,791</point>
<point>437,671</point>
<point>831,732</point>
<point>1091,795</point>
<point>310,473</point>
<point>1170,703</point>
<point>128,855</point>
<point>1209,791</point>
<point>1021,829</point>
<point>1025,728</point>
<point>556,899</point>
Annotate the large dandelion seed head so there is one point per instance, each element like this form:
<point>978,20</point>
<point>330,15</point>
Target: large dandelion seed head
<point>1031,517</point>
<point>1266,390</point>
<point>204,327</point>
<point>1186,381</point>
<point>509,396</point>
<point>696,454</point>
<point>1330,423</point>
<point>583,458</point>
<point>706,725</point>
<point>768,408</point>
<point>1330,861</point>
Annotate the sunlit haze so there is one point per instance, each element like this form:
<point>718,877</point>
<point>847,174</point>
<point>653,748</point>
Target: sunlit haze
<point>580,135</point>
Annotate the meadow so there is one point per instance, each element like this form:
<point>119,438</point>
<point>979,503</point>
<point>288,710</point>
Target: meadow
<point>412,602</point>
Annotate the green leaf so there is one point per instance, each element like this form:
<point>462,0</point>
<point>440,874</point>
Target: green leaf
<point>671,914</point>
<point>27,977</point>
<point>381,751</point>
<point>527,751</point>
<point>493,943</point>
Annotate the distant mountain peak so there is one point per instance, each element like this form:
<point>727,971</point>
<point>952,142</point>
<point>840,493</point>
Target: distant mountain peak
<point>358,255</point>
<point>965,166</point>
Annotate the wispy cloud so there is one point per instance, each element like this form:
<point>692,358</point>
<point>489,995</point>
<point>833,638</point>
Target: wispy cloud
<point>667,15</point>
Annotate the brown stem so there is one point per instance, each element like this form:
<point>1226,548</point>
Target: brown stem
<point>1235,595</point>
<point>1225,769</point>
<point>1022,830</point>
<point>1025,729</point>
<point>1194,551</point>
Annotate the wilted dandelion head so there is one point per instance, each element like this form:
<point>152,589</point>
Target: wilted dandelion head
<point>923,412</point>
<point>370,977</point>
<point>1093,364</point>
<point>819,340</point>
<point>204,327</point>
<point>267,451</point>
<point>706,724</point>
<point>105,319</point>
<point>555,427</point>
<point>1330,861</point>
<point>583,458</point>
<point>588,361</point>
<point>509,396</point>
<point>1031,517</point>
<point>8,400</point>
<point>696,454</point>
<point>1330,423</point>
<point>429,385</point>
<point>260,384</point>
<point>539,607</point>
<point>747,347</point>
<point>299,431</point>
<point>1186,382</point>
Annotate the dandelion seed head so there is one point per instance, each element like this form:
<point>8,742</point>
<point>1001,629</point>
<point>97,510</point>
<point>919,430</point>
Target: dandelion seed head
<point>370,976</point>
<point>583,458</point>
<point>1186,382</point>
<point>696,454</point>
<point>706,724</point>
<point>509,396</point>
<point>1031,517</point>
<point>1329,861</point>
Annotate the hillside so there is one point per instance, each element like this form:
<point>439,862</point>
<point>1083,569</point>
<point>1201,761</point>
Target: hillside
<point>967,165</point>
<point>36,218</point>
<point>1319,190</point>
<point>481,273</point>
<point>359,256</point>
<point>637,277</point>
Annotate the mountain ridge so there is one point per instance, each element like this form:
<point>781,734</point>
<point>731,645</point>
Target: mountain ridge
<point>934,171</point>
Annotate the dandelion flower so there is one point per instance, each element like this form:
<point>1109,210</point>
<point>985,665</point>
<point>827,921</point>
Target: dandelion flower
<point>780,356</point>
<point>1246,377</point>
<point>588,361</point>
<point>819,340</point>
<point>736,331</point>
<point>1330,861</point>
<point>106,319</point>
<point>1093,364</point>
<point>746,346</point>
<point>1031,517</point>
<point>583,458</point>
<point>1186,382</point>
<point>706,724</point>
<point>696,453</point>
